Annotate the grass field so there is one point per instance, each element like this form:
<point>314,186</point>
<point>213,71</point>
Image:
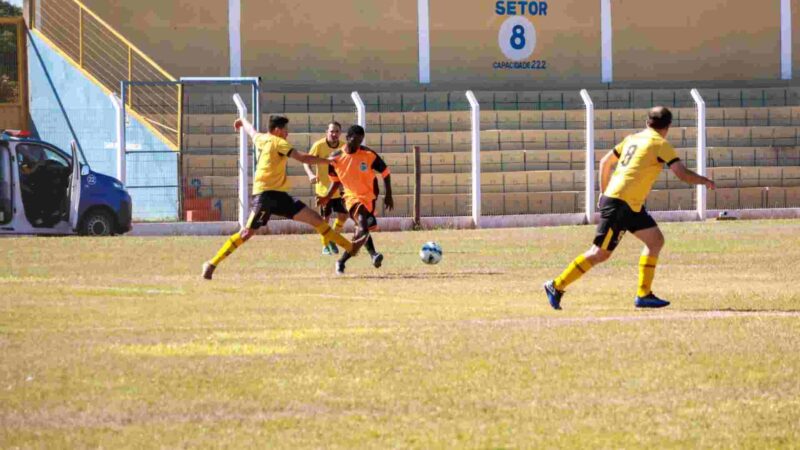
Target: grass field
<point>118,343</point>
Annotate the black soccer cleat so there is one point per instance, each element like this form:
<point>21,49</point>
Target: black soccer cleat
<point>208,270</point>
<point>339,268</point>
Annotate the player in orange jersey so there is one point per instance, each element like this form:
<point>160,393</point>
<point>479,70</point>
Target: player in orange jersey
<point>355,167</point>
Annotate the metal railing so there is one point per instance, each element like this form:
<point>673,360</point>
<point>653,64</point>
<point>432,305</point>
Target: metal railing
<point>107,57</point>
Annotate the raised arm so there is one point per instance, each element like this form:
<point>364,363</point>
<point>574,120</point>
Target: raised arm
<point>248,127</point>
<point>688,176</point>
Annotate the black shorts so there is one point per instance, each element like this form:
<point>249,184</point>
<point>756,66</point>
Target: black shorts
<point>616,217</point>
<point>334,205</point>
<point>267,203</point>
<point>361,214</point>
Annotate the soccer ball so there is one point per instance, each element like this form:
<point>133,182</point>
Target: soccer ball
<point>431,253</point>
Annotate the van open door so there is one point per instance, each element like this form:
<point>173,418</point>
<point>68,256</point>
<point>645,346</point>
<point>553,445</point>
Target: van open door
<point>6,210</point>
<point>74,187</point>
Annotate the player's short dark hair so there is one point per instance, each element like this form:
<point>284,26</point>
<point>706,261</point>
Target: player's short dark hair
<point>335,123</point>
<point>355,130</point>
<point>277,122</point>
<point>659,118</point>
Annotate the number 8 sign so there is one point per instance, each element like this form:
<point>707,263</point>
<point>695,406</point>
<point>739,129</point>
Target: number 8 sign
<point>517,38</point>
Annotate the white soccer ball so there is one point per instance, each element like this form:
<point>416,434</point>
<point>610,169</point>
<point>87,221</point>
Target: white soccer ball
<point>431,253</point>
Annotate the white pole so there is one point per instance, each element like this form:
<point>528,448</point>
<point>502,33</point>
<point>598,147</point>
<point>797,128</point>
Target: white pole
<point>701,152</point>
<point>423,32</point>
<point>475,117</point>
<point>590,178</point>
<point>786,40</point>
<point>244,166</point>
<point>235,37</point>
<point>361,111</point>
<point>118,108</point>
<point>606,42</point>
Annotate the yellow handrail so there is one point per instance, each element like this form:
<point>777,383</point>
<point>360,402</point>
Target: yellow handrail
<point>125,41</point>
<point>10,20</point>
<point>107,58</point>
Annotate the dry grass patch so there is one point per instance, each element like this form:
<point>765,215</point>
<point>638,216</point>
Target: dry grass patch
<point>118,343</point>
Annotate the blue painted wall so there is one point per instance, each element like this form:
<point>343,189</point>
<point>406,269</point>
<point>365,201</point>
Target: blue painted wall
<point>64,101</point>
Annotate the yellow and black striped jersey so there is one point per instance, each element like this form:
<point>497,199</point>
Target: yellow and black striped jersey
<point>641,158</point>
<point>272,153</point>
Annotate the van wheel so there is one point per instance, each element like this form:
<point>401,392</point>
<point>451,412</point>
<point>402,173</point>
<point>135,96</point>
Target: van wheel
<point>97,223</point>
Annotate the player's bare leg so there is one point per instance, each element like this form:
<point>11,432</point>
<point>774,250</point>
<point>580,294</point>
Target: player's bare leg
<point>377,258</point>
<point>362,232</point>
<point>653,241</point>
<point>360,235</point>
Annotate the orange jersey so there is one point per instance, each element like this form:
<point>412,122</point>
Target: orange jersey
<point>356,171</point>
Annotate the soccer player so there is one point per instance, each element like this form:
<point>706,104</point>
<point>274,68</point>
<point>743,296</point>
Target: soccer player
<point>640,158</point>
<point>354,167</point>
<point>270,190</point>
<point>319,178</point>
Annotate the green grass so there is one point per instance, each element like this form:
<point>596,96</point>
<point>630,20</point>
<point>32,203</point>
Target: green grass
<point>118,343</point>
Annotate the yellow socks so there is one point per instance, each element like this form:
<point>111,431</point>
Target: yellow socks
<point>227,248</point>
<point>326,232</point>
<point>579,266</point>
<point>574,270</point>
<point>338,225</point>
<point>647,271</point>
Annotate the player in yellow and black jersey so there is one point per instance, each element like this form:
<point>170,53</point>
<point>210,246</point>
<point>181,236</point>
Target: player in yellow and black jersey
<point>318,176</point>
<point>639,159</point>
<point>270,190</point>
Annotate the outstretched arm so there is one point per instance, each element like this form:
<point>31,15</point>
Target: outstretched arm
<point>305,158</point>
<point>691,177</point>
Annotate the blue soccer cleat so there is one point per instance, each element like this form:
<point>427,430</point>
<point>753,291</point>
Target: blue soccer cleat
<point>553,294</point>
<point>650,301</point>
<point>333,248</point>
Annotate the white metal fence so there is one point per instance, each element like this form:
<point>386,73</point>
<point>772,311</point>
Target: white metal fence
<point>495,140</point>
